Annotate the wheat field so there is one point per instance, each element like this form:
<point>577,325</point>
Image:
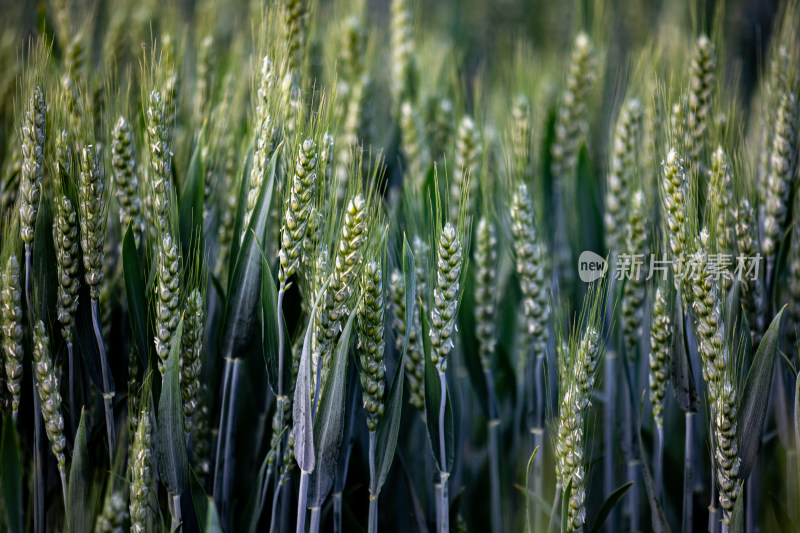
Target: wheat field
<point>340,265</point>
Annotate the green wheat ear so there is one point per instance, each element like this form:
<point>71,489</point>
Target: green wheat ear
<point>141,469</point>
<point>296,214</point>
<point>414,362</point>
<point>92,219</point>
<point>11,324</point>
<point>33,145</point>
<point>485,290</point>
<point>446,292</point>
<point>660,343</point>
<point>125,178</point>
<point>624,155</point>
<point>47,388</point>
<point>371,342</point>
<point>191,359</point>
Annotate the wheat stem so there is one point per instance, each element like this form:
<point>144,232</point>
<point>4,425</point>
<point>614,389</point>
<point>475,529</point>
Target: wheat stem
<point>108,395</point>
<point>688,467</point>
<point>301,502</point>
<point>444,518</point>
<point>373,496</point>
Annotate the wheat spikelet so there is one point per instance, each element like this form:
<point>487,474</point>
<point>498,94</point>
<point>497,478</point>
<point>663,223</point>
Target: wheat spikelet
<point>783,160</point>
<point>92,219</point>
<point>485,288</point>
<point>445,295</point>
<point>371,343</point>
<point>701,85</point>
<point>752,289</point>
<point>674,199</point>
<point>158,211</point>
<point>660,343</point>
<point>125,179</point>
<point>412,144</point>
<point>467,157</point>
<point>298,207</point>
<point>33,139</point>
<point>624,154</point>
<point>634,290</point>
<point>141,471</point>
<point>530,265</point>
<point>414,362</point>
<point>11,323</point>
<point>65,237</point>
<point>168,281</point>
<point>48,390</point>
<point>191,355</point>
<point>721,197</point>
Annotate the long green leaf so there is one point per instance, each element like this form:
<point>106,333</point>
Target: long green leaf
<point>329,422</point>
<point>565,498</point>
<point>433,395</point>
<point>190,215</point>
<point>45,274</point>
<point>269,309</point>
<point>657,517</point>
<point>136,297</point>
<point>173,463</point>
<point>200,499</point>
<point>350,422</point>
<point>241,207</point>
<point>737,515</point>
<point>389,424</point>
<point>608,505</point>
<point>781,516</point>
<point>79,481</point>
<point>87,342</point>
<point>11,476</point>
<point>528,493</point>
<point>244,295</point>
<point>302,409</point>
<point>212,519</point>
<point>753,403</point>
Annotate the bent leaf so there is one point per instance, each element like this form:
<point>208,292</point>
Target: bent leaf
<point>753,403</point>
<point>329,422</point>
<point>173,463</point>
